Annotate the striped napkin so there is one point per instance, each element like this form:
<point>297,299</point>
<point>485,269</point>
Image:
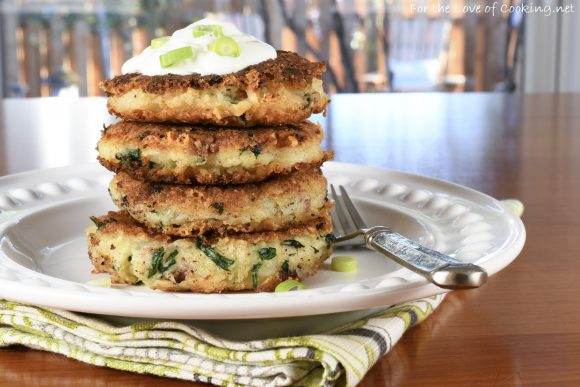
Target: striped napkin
<point>177,350</point>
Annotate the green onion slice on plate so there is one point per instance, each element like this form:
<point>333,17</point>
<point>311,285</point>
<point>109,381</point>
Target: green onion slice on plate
<point>158,42</point>
<point>172,57</point>
<point>344,264</point>
<point>104,282</point>
<point>225,46</point>
<point>205,29</point>
<point>289,285</point>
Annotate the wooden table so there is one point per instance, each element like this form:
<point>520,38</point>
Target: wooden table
<point>522,327</point>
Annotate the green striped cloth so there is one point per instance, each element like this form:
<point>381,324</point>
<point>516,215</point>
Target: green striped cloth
<point>177,350</point>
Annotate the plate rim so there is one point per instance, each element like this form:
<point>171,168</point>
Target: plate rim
<point>287,305</point>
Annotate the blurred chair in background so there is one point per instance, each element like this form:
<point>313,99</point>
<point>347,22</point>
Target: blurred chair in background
<point>515,24</point>
<point>419,53</point>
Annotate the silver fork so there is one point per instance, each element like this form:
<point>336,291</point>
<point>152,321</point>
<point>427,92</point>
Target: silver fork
<point>442,270</point>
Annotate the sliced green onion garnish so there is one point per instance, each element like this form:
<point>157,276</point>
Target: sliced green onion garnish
<point>158,42</point>
<point>103,282</point>
<point>205,29</point>
<point>172,57</point>
<point>225,46</point>
<point>289,285</point>
<point>344,264</point>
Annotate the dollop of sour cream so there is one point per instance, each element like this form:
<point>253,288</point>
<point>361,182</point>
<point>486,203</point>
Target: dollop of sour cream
<point>205,62</point>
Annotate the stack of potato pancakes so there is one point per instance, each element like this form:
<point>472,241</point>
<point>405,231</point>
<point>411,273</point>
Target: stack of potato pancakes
<point>217,179</point>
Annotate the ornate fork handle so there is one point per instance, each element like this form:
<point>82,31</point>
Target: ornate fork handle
<point>440,269</point>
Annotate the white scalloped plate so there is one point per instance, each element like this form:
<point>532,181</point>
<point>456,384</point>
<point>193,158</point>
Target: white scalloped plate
<point>43,258</point>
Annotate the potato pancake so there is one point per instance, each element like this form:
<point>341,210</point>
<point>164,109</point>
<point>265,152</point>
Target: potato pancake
<point>283,90</point>
<point>209,155</point>
<point>257,261</point>
<point>185,210</point>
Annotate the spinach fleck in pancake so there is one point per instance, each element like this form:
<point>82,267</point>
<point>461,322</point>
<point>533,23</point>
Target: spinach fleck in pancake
<point>209,155</point>
<point>257,261</point>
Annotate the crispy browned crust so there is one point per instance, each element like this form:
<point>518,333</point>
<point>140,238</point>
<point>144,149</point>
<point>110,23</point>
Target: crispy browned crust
<point>199,141</point>
<point>191,176</point>
<point>236,208</point>
<point>263,115</point>
<point>121,221</point>
<point>287,68</point>
<point>208,286</point>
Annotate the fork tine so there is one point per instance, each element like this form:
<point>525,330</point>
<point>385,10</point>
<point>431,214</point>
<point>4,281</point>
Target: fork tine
<point>354,214</point>
<point>347,226</point>
<point>337,227</point>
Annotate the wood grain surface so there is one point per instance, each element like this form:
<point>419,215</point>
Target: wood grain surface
<point>523,327</point>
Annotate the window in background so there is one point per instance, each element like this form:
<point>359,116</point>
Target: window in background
<point>65,48</point>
